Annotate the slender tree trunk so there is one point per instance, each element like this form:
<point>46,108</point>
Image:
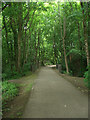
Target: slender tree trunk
<point>35,55</point>
<point>15,49</point>
<point>60,31</point>
<point>85,34</point>
<point>24,49</point>
<point>27,52</point>
<point>6,38</point>
<point>79,36</point>
<point>35,50</point>
<point>80,48</point>
<point>63,39</point>
<point>15,44</point>
<point>38,46</point>
<point>19,50</point>
<point>11,45</point>
<point>88,8</point>
<point>10,51</point>
<point>26,41</point>
<point>54,46</point>
<point>64,27</point>
<point>19,35</point>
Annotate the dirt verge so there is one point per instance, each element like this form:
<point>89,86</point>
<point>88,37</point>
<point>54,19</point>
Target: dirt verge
<point>15,108</point>
<point>76,81</point>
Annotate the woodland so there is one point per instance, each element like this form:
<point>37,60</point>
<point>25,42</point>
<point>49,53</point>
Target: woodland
<point>36,34</point>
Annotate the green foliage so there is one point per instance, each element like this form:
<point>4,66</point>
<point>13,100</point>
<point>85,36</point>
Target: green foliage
<point>8,74</point>
<point>4,76</point>
<point>48,63</point>
<point>87,78</point>
<point>77,65</point>
<point>9,91</point>
<point>29,87</point>
<point>26,68</point>
<point>41,41</point>
<point>74,51</point>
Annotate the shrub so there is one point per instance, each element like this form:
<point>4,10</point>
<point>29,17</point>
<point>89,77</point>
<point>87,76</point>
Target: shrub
<point>9,91</point>
<point>87,78</point>
<point>4,76</point>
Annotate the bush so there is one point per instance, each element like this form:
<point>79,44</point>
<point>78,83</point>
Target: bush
<point>77,65</point>
<point>87,78</point>
<point>9,91</point>
<point>4,76</point>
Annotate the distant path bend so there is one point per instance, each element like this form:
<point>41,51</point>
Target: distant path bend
<point>54,97</point>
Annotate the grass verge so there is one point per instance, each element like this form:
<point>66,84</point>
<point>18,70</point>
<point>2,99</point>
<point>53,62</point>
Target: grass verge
<point>16,106</point>
<point>9,91</point>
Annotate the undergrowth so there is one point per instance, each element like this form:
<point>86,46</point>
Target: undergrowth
<point>87,78</point>
<point>9,91</point>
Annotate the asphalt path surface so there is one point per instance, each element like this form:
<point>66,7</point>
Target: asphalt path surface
<point>54,97</point>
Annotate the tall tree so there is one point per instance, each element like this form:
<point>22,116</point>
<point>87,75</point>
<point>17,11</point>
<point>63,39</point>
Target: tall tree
<point>85,33</point>
<point>20,23</point>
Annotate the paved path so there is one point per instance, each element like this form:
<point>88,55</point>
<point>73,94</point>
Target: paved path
<point>54,97</point>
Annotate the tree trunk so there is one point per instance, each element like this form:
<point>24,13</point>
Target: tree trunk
<point>15,44</point>
<point>63,38</point>
<point>24,49</point>
<point>80,46</point>
<point>38,46</point>
<point>27,52</point>
<point>6,38</point>
<point>35,50</point>
<point>54,46</point>
<point>88,4</point>
<point>19,34</point>
<point>85,34</point>
<point>60,31</point>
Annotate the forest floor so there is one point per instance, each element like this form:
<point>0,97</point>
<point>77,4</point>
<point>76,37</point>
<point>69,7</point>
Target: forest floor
<point>14,108</point>
<point>49,89</point>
